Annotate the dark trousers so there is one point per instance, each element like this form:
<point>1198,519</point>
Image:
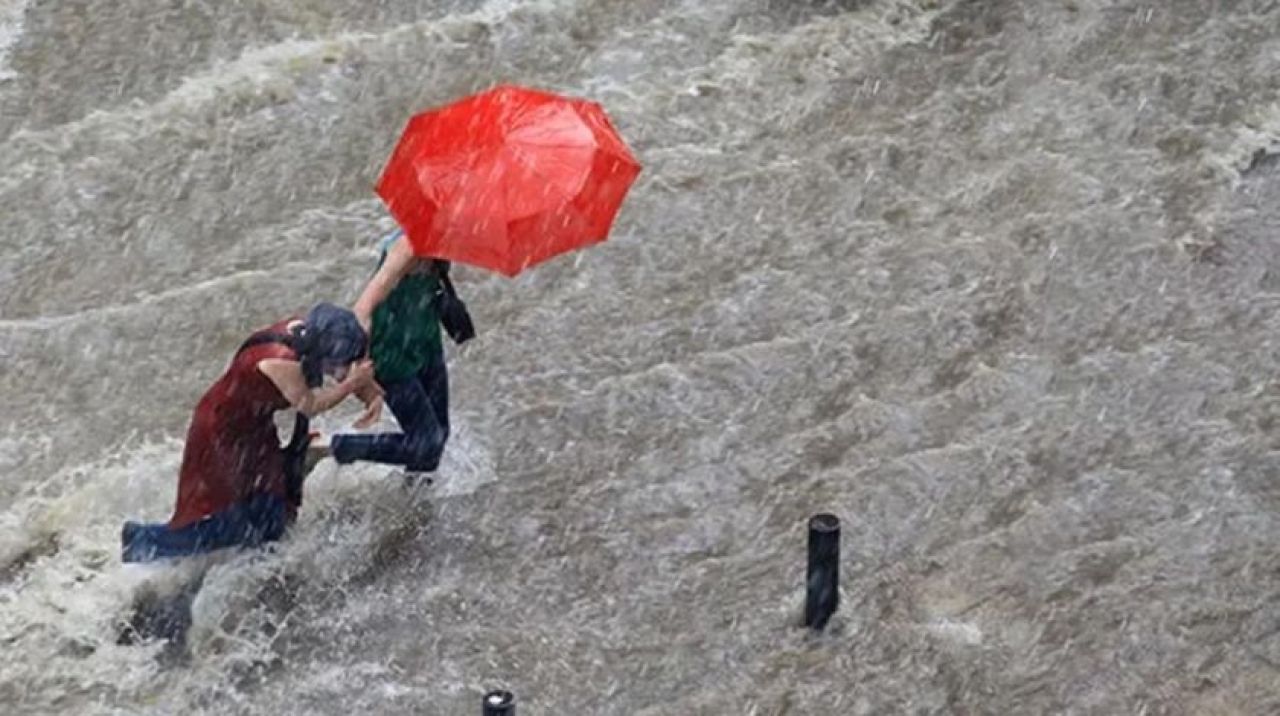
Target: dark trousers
<point>259,519</point>
<point>421,406</point>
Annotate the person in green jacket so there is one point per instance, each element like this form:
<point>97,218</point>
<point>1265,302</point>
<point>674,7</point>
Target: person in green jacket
<point>399,309</point>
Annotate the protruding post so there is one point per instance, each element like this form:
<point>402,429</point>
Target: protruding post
<point>822,593</point>
<point>499,703</point>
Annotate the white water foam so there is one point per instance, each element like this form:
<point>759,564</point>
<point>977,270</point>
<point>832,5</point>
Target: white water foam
<point>11,15</point>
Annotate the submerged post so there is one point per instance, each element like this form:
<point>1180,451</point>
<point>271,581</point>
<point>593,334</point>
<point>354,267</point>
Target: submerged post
<point>499,703</point>
<point>822,592</point>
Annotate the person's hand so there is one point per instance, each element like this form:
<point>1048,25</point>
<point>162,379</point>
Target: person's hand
<point>372,411</point>
<point>369,392</point>
<point>360,376</point>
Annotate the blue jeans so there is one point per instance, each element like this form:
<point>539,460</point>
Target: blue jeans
<point>421,406</point>
<point>259,519</point>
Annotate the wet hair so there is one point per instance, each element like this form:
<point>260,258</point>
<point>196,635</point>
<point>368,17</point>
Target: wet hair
<point>329,334</point>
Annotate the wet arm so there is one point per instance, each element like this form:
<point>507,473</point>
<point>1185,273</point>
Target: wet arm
<point>287,377</point>
<point>394,267</point>
<point>368,393</point>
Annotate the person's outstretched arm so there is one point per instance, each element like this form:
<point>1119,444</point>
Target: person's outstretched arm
<point>287,376</point>
<point>397,263</point>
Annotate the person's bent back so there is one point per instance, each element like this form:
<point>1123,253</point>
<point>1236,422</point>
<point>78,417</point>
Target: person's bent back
<point>237,486</point>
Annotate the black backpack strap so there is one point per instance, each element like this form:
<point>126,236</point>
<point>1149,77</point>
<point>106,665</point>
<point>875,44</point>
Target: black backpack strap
<point>453,312</point>
<point>448,285</point>
<point>295,458</point>
<point>262,337</point>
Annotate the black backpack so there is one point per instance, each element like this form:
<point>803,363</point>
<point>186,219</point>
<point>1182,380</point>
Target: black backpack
<point>452,311</point>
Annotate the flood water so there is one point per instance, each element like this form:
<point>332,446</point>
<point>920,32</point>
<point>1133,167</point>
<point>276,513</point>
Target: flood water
<point>994,281</point>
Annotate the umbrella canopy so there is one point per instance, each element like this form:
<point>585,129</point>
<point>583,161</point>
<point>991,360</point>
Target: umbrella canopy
<point>507,178</point>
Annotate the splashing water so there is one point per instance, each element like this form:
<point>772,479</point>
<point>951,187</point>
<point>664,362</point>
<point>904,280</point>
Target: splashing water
<point>995,282</point>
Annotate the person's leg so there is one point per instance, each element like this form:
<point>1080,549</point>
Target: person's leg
<point>259,519</point>
<point>408,401</point>
<point>435,378</point>
<point>431,429</point>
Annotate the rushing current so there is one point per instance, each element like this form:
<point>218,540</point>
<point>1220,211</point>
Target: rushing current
<point>994,281</point>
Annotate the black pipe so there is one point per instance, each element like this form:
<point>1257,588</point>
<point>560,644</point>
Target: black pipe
<point>499,703</point>
<point>822,592</point>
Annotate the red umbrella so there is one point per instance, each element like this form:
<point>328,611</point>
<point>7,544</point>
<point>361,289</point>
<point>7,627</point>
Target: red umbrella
<point>507,178</point>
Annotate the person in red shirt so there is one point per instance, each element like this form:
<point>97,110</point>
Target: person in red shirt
<point>237,485</point>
